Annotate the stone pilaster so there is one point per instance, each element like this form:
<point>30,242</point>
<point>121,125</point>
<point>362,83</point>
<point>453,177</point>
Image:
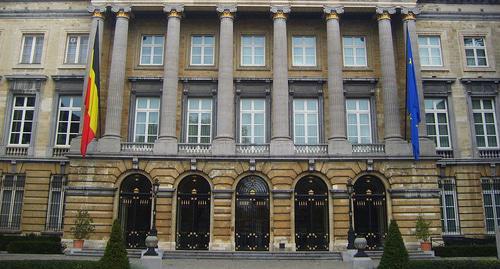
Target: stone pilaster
<point>111,140</point>
<point>281,143</point>
<point>224,143</point>
<point>395,145</point>
<point>166,144</point>
<point>337,140</point>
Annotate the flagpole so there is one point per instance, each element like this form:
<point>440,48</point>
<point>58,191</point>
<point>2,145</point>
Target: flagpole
<point>406,83</point>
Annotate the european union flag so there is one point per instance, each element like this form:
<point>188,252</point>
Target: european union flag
<point>412,104</point>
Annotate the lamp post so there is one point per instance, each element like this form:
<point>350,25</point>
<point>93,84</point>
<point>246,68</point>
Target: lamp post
<point>351,236</point>
<point>152,238</point>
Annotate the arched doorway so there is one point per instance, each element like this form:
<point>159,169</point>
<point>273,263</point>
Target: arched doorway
<point>252,214</point>
<point>135,209</point>
<point>311,214</point>
<point>370,210</point>
<point>193,213</point>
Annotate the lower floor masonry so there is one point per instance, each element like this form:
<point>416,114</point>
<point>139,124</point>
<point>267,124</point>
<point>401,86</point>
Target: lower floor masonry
<point>263,204</point>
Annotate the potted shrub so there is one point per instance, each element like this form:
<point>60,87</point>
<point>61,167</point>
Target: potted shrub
<point>82,229</point>
<point>422,233</point>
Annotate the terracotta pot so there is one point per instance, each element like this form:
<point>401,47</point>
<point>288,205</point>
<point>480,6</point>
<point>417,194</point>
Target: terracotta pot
<point>78,243</point>
<point>426,246</point>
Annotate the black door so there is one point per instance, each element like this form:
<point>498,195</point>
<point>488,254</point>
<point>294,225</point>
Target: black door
<point>370,211</point>
<point>252,214</point>
<point>135,209</point>
<point>193,214</point>
<point>311,214</point>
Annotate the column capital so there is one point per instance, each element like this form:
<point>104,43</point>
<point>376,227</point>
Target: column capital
<point>410,13</point>
<point>174,10</point>
<point>333,12</point>
<point>121,11</point>
<point>280,12</point>
<point>384,13</point>
<point>226,11</point>
<point>97,12</point>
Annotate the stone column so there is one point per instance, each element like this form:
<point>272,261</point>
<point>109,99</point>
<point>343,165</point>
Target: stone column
<point>395,145</point>
<point>337,140</point>
<point>281,143</point>
<point>224,143</point>
<point>166,144</point>
<point>111,140</point>
<point>427,146</point>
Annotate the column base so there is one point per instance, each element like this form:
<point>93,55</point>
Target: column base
<point>339,147</point>
<point>109,144</point>
<point>223,146</point>
<point>75,146</point>
<point>427,147</point>
<point>165,146</point>
<point>282,147</point>
<point>397,147</point>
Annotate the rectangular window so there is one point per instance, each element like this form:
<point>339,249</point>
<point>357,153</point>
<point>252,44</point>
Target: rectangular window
<point>252,121</point>
<point>449,207</point>
<point>202,50</point>
<point>475,51</point>
<point>32,49</point>
<point>68,119</point>
<point>436,120</point>
<point>12,193</point>
<point>147,111</point>
<point>23,111</point>
<point>359,129</point>
<point>491,202</point>
<point>429,48</point>
<point>354,51</point>
<point>152,50</point>
<point>253,49</point>
<point>306,122</point>
<point>483,111</point>
<point>199,120</point>
<point>76,49</point>
<point>56,202</point>
<point>304,50</point>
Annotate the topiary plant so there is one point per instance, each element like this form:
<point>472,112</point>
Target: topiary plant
<point>83,225</point>
<point>395,255</point>
<point>115,255</point>
<point>422,229</point>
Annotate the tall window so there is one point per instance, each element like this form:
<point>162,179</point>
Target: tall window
<point>475,51</point>
<point>68,119</point>
<point>306,122</point>
<point>147,111</point>
<point>359,129</point>
<point>32,49</point>
<point>199,120</point>
<point>436,120</point>
<point>12,193</point>
<point>449,207</point>
<point>23,110</point>
<point>304,50</point>
<point>152,50</point>
<point>253,49</point>
<point>76,49</point>
<point>429,48</point>
<point>483,110</point>
<point>354,51</point>
<point>252,121</point>
<point>491,202</point>
<point>202,50</point>
<point>56,202</point>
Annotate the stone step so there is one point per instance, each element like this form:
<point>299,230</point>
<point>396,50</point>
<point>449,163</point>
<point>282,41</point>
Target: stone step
<point>413,254</point>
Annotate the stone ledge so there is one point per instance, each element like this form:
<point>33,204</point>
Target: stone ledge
<point>282,194</point>
<point>89,191</point>
<point>414,193</point>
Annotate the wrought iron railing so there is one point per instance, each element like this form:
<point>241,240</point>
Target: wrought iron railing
<point>368,148</point>
<point>136,147</point>
<point>256,149</point>
<point>16,151</point>
<point>59,151</point>
<point>445,153</point>
<point>188,148</point>
<point>311,149</point>
<point>489,153</point>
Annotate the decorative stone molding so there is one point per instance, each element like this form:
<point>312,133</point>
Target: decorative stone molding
<point>165,193</point>
<point>174,10</point>
<point>333,12</point>
<point>414,193</point>
<point>282,194</point>
<point>89,191</point>
<point>223,194</point>
<point>226,11</point>
<point>410,13</point>
<point>339,194</point>
<point>280,12</point>
<point>122,12</point>
<point>384,13</point>
<point>97,12</point>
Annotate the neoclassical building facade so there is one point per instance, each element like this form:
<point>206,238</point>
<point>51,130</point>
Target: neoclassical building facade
<point>262,125</point>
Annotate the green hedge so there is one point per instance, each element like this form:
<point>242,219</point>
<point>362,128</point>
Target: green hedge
<point>454,264</point>
<point>466,251</point>
<point>48,264</point>
<point>5,240</point>
<point>34,247</point>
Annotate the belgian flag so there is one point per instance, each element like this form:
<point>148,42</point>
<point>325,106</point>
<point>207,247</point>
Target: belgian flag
<point>91,115</point>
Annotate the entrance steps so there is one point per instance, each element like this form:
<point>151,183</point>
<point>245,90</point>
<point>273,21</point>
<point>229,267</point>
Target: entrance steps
<point>414,254</point>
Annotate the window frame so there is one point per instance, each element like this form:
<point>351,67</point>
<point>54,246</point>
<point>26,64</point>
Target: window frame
<point>444,212</point>
<point>24,109</point>
<point>436,111</point>
<point>492,182</point>
<point>36,37</point>
<point>59,225</point>
<point>147,123</point>
<point>306,113</point>
<point>429,47</point>
<point>14,189</point>
<point>303,49</point>
<point>358,112</point>
<point>152,46</point>
<point>58,110</point>
<point>252,111</point>
<point>78,48</point>
<point>475,48</point>
<point>493,111</point>
<point>354,52</point>
<point>199,111</point>
<point>214,45</point>
<point>252,56</point>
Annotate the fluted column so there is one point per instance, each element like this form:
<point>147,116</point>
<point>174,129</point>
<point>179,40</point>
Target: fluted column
<point>167,139</point>
<point>111,140</point>
<point>337,140</point>
<point>224,143</point>
<point>281,143</point>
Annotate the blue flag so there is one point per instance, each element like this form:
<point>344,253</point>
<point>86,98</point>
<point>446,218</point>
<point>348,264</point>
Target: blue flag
<point>412,104</point>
